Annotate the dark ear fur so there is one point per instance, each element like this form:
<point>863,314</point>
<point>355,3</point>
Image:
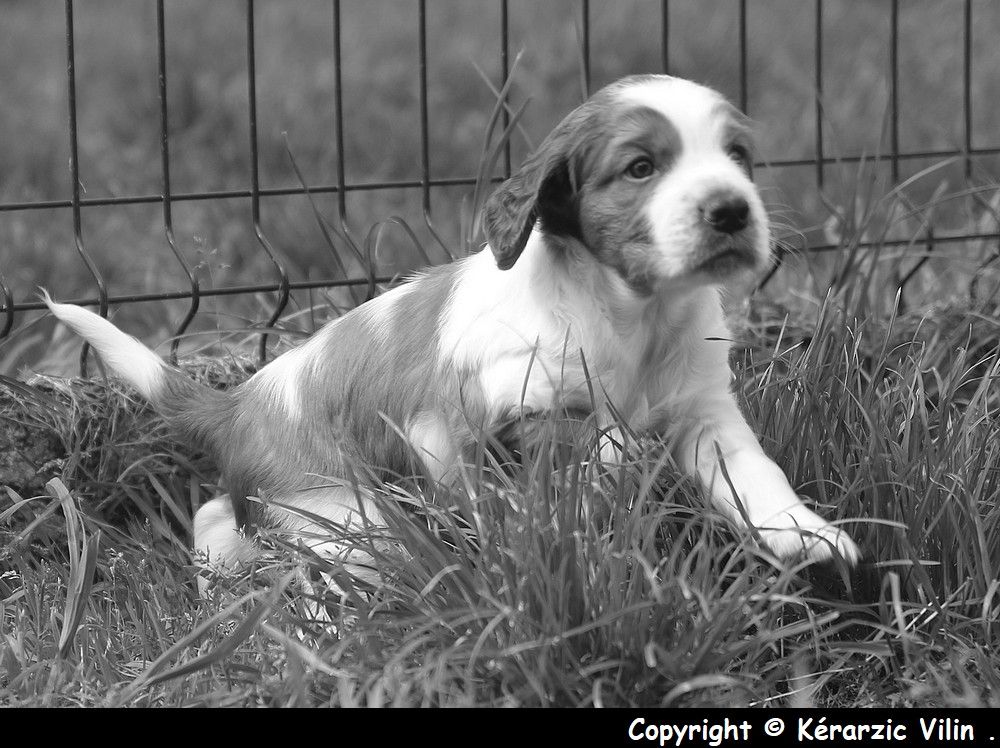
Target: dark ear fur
<point>509,215</point>
<point>541,189</point>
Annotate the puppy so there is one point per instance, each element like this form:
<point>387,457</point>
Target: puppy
<point>606,255</point>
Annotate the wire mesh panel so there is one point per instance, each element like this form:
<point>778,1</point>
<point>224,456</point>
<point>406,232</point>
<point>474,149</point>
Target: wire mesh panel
<point>240,162</point>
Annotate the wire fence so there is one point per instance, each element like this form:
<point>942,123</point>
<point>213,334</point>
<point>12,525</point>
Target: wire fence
<point>282,284</point>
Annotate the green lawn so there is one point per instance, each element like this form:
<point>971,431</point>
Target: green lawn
<point>612,586</point>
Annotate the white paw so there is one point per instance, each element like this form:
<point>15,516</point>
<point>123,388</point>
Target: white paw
<point>798,533</point>
<point>785,525</point>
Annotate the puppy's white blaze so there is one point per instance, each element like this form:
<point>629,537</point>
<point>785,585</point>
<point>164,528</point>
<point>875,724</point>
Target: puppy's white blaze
<point>690,107</point>
<point>122,353</point>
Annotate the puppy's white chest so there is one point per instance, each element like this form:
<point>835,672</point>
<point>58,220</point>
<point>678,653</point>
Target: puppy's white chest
<point>533,337</point>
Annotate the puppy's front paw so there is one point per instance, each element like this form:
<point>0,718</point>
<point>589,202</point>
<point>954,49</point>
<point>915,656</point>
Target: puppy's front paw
<point>798,532</point>
<point>784,523</point>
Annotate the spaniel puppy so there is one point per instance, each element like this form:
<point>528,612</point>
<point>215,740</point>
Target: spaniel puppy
<point>606,254</point>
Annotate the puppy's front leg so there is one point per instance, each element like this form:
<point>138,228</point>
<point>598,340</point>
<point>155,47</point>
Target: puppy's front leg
<point>714,436</point>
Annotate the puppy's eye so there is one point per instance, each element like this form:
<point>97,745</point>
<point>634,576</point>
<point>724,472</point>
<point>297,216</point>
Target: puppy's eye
<point>641,168</point>
<point>739,154</point>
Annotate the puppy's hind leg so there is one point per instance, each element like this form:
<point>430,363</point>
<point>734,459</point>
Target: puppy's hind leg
<point>218,543</point>
<point>342,526</point>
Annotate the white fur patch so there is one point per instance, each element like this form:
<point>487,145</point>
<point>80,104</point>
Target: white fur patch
<point>521,329</point>
<point>342,511</point>
<point>218,543</point>
<point>280,379</point>
<point>691,108</point>
<point>428,435</point>
<point>380,312</point>
<point>122,353</point>
<point>541,327</point>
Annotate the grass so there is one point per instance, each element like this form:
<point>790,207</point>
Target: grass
<point>567,583</point>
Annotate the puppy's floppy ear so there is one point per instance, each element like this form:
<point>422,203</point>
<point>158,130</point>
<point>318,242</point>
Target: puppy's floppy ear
<point>540,189</point>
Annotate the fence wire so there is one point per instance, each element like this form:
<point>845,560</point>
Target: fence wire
<point>282,284</point>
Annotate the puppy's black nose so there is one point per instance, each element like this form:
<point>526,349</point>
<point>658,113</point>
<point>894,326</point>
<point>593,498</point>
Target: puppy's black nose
<point>726,213</point>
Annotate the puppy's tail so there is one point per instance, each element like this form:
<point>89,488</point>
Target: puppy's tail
<point>192,409</point>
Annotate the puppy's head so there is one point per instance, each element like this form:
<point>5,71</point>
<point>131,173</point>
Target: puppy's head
<point>652,176</point>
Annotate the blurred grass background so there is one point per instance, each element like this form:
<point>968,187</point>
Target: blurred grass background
<point>119,152</point>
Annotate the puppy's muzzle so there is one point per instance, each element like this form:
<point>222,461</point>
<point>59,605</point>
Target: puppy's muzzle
<point>726,213</point>
<point>727,236</point>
